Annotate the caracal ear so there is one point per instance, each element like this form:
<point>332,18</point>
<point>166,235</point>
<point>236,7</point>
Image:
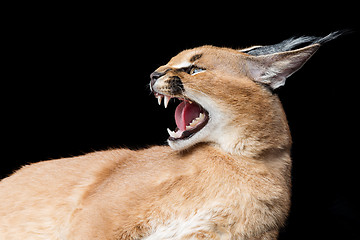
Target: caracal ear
<point>273,69</point>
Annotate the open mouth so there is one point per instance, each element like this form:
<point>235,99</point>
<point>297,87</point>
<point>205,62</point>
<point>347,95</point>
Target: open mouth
<point>190,117</point>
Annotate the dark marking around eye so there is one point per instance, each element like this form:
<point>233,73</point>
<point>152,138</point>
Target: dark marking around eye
<point>195,57</point>
<point>189,69</point>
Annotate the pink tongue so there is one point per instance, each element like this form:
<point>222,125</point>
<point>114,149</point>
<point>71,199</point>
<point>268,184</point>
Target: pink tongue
<point>185,113</point>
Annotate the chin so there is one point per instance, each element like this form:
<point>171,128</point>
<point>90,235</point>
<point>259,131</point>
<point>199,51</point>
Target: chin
<point>182,144</point>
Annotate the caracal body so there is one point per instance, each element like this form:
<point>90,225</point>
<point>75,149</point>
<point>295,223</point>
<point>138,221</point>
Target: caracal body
<point>225,174</point>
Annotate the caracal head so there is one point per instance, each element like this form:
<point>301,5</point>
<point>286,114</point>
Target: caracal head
<point>227,95</point>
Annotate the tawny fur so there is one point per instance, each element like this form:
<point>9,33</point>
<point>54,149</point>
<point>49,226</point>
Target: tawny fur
<point>122,194</point>
<point>231,180</point>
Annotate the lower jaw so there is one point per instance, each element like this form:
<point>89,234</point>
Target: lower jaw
<point>189,133</point>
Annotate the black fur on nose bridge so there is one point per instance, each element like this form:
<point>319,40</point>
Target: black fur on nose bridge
<point>176,86</point>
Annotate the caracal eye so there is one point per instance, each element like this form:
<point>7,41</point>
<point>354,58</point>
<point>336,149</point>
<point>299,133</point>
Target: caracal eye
<point>196,70</point>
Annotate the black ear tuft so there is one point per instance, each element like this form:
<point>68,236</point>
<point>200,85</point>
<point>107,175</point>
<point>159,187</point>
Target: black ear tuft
<point>274,69</point>
<point>292,43</point>
<point>331,36</point>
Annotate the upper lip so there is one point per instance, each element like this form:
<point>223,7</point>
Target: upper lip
<point>167,98</point>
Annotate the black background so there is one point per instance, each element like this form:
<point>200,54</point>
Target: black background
<point>75,80</point>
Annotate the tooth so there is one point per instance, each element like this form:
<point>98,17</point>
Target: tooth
<point>171,133</point>
<point>178,133</point>
<point>194,122</point>
<point>201,116</point>
<point>189,127</point>
<point>159,99</point>
<point>166,101</point>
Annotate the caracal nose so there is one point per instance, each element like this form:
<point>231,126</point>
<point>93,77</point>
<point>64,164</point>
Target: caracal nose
<point>154,77</point>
